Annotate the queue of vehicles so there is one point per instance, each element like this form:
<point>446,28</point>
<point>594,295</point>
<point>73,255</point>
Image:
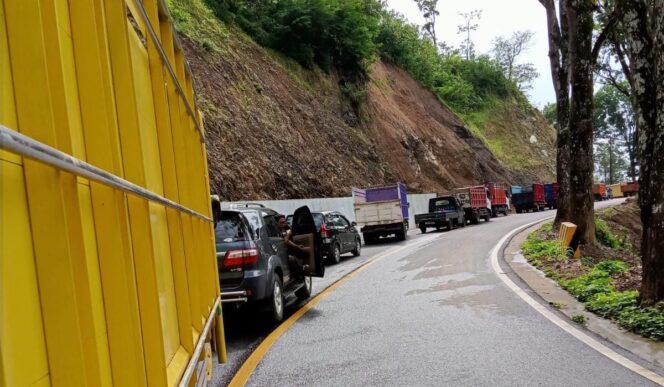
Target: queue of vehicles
<point>256,266</point>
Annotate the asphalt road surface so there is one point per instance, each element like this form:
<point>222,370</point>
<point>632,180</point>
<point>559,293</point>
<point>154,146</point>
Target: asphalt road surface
<point>434,313</point>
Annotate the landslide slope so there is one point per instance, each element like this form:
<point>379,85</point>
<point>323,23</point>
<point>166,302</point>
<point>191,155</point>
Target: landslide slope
<point>276,130</point>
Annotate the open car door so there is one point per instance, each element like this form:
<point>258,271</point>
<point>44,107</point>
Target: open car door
<point>305,233</point>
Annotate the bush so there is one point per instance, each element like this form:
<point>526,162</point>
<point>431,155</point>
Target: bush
<point>648,322</point>
<point>326,33</point>
<point>536,248</point>
<point>597,281</point>
<point>611,304</point>
<point>605,236</point>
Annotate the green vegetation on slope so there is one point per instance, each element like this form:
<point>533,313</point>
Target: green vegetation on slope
<point>347,35</point>
<point>594,284</point>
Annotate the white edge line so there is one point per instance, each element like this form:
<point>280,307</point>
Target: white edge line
<point>564,325</point>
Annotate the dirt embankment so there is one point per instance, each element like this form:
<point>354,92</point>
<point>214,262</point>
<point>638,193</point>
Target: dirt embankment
<point>277,131</point>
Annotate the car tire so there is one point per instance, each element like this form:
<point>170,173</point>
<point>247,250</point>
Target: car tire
<point>304,292</point>
<point>450,225</point>
<point>423,229</point>
<point>277,299</point>
<point>336,253</point>
<point>358,248</point>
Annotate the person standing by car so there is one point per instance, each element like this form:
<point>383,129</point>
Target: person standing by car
<point>295,252</point>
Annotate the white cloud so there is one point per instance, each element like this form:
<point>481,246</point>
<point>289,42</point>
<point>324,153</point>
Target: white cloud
<point>499,17</point>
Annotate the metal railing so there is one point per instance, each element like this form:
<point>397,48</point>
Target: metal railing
<point>164,59</point>
<point>17,143</point>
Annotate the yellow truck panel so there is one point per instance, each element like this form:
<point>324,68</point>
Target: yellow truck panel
<point>104,280</point>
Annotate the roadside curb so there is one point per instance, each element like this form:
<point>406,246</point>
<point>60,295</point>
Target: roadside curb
<point>550,292</point>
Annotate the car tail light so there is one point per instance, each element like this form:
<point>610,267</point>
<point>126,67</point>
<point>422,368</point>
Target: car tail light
<point>235,258</point>
<point>324,232</point>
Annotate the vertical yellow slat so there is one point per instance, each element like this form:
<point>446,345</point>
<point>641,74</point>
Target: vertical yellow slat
<point>158,346</point>
<point>108,206</point>
<point>182,173</point>
<point>46,196</point>
<point>23,359</point>
<point>164,257</point>
<point>170,184</point>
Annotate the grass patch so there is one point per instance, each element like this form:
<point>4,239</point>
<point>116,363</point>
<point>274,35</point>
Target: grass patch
<point>195,20</point>
<point>593,282</point>
<point>579,319</point>
<point>605,236</point>
<point>557,305</point>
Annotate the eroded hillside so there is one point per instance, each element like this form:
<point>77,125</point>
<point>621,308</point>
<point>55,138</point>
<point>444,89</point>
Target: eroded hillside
<point>275,130</point>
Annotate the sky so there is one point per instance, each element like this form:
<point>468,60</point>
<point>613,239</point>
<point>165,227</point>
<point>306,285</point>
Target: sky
<point>499,18</point>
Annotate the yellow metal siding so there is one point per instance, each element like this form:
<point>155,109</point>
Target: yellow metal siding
<point>98,287</point>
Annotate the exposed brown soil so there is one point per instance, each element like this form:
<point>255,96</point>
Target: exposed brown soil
<point>276,131</point>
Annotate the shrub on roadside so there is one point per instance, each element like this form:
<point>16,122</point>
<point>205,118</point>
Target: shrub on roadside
<point>605,236</point>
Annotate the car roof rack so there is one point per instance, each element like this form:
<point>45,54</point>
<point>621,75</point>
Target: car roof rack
<point>246,205</point>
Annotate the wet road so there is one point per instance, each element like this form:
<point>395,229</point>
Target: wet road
<point>434,314</point>
<point>245,330</point>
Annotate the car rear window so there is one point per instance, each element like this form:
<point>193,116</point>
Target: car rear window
<point>318,219</point>
<point>442,204</point>
<point>230,228</point>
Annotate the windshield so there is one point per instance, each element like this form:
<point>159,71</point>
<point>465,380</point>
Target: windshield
<point>441,204</point>
<point>230,228</point>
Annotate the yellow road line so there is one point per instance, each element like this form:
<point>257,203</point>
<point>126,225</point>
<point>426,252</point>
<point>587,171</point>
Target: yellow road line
<point>562,324</point>
<point>244,373</point>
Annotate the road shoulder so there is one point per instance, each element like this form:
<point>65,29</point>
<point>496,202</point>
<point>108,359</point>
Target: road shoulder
<point>650,351</point>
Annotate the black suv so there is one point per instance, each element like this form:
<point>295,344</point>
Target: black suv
<point>253,262</point>
<point>338,235</point>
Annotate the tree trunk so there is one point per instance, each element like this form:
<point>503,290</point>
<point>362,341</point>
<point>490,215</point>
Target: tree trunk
<point>582,210</point>
<point>644,32</point>
<point>558,57</point>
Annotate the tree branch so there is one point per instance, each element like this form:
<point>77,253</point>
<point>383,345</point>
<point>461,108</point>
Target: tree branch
<point>606,32</point>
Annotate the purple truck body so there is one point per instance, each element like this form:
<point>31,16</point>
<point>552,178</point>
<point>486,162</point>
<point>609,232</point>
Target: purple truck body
<point>382,194</point>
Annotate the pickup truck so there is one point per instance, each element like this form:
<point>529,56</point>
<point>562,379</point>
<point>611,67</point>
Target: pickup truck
<point>475,202</point>
<point>443,211</point>
<point>381,211</point>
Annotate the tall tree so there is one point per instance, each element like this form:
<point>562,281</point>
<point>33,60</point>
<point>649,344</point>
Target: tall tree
<point>643,26</point>
<point>573,55</point>
<point>610,163</point>
<point>614,120</point>
<point>429,11</point>
<point>469,25</point>
<point>559,59</point>
<point>506,51</point>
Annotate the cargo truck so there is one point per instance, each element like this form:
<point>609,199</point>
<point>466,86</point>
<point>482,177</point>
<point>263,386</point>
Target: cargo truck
<point>630,189</point>
<point>530,199</point>
<point>444,211</point>
<point>381,212</point>
<point>498,197</point>
<point>475,202</point>
<point>599,192</point>
<point>615,191</point>
<point>551,194</point>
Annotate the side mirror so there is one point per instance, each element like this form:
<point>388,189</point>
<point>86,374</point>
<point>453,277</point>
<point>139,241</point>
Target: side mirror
<point>353,224</point>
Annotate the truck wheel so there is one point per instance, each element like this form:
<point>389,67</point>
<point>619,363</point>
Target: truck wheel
<point>450,225</point>
<point>368,239</point>
<point>401,235</point>
<point>423,229</point>
<point>494,213</point>
<point>462,222</point>
<point>487,218</point>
